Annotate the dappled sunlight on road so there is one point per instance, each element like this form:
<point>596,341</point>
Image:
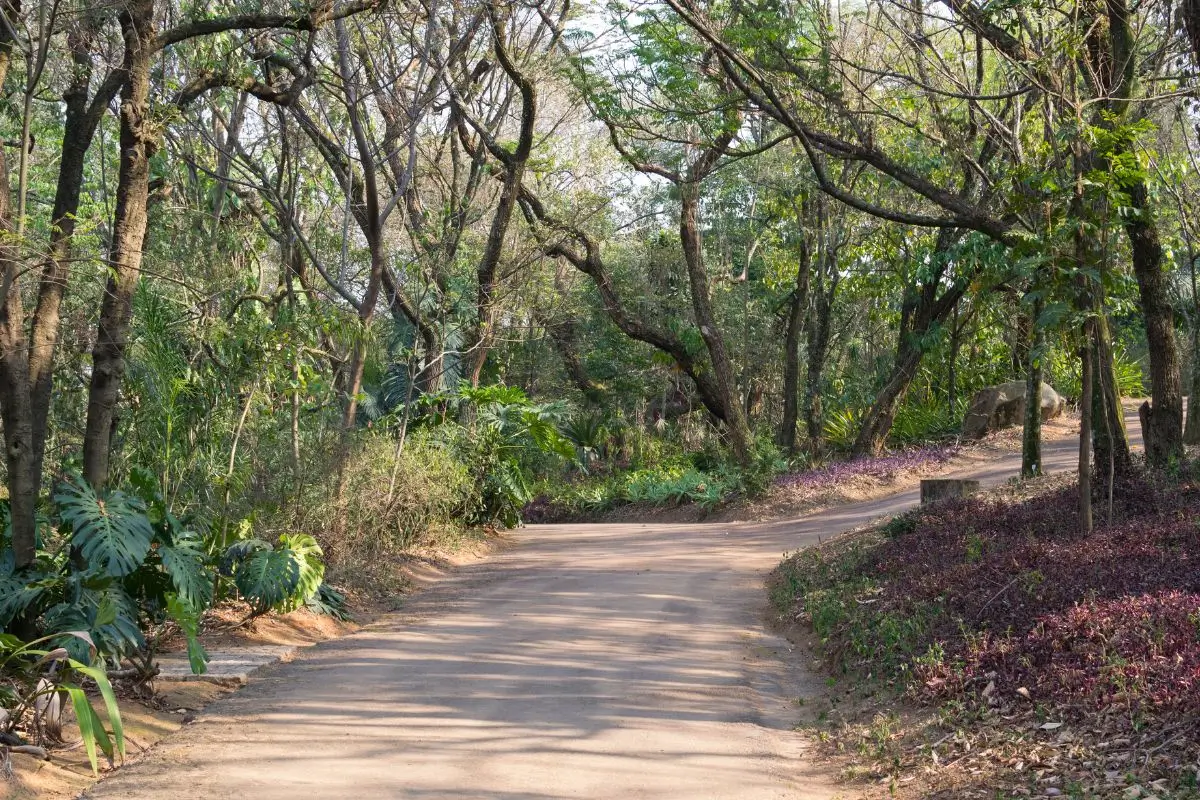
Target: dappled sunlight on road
<point>591,661</point>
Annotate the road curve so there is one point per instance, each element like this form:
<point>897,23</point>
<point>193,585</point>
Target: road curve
<point>608,662</point>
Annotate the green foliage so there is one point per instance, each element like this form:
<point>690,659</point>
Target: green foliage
<point>284,576</point>
<point>32,673</point>
<point>113,533</point>
<point>919,422</point>
<point>837,598</point>
<point>704,480</point>
<point>328,602</point>
<point>124,566</point>
<point>900,525</point>
<point>393,500</point>
<point>842,426</point>
<point>503,432</point>
<point>589,434</point>
<point>1063,371</point>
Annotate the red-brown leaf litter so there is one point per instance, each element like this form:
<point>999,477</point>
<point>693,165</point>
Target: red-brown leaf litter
<point>1029,603</point>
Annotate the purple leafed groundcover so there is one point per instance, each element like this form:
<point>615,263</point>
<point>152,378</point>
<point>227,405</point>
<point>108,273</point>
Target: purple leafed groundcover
<point>1027,602</point>
<point>881,468</point>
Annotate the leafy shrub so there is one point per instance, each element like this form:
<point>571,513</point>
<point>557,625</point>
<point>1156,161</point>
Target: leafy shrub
<point>1063,373</point>
<point>392,501</point>
<point>900,525</point>
<point>119,565</point>
<point>589,434</point>
<point>842,426</point>
<point>917,422</point>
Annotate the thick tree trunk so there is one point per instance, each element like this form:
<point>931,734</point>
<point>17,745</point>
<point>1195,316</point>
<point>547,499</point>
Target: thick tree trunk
<point>797,304</point>
<point>15,409</point>
<point>923,308</point>
<point>877,423</point>
<point>79,128</point>
<point>138,143</point>
<point>564,339</point>
<point>1164,441</point>
<point>693,254</point>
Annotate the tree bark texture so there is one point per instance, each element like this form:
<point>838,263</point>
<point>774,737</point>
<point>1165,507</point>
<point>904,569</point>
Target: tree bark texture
<point>1031,435</point>
<point>797,305</point>
<point>1087,353</point>
<point>138,143</point>
<point>1164,440</point>
<point>723,371</point>
<point>817,335</point>
<point>15,410</point>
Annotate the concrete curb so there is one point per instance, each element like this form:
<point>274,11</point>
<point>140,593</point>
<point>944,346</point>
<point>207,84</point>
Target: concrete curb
<point>232,665</point>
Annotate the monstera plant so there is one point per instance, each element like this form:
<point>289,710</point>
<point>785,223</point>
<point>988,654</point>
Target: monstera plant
<point>125,566</point>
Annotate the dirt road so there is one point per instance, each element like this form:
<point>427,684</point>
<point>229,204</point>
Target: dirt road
<point>609,662</point>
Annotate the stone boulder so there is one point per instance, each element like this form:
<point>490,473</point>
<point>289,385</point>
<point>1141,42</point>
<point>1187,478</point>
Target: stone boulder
<point>1001,406</point>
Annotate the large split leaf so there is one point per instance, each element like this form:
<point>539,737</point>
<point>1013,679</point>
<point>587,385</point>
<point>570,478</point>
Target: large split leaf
<point>183,560</point>
<point>282,577</point>
<point>113,532</point>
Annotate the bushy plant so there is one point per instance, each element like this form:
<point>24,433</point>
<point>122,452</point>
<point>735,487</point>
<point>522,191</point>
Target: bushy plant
<point>919,421</point>
<point>842,426</point>
<point>118,565</point>
<point>589,434</point>
<point>504,430</point>
<point>1062,371</point>
<point>393,498</point>
<point>1004,591</point>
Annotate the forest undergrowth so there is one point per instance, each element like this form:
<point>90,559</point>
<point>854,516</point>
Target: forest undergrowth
<point>983,648</point>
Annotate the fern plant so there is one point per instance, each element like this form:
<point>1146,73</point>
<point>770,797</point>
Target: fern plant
<point>841,427</point>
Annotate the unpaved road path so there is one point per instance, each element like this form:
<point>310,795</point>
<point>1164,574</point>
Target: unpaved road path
<point>607,662</point>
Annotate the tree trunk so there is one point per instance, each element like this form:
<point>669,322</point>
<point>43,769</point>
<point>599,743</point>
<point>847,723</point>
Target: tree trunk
<point>1164,441</point>
<point>1031,436</point>
<point>79,128</point>
<point>1192,433</point>
<point>15,410</point>
<point>514,173</point>
<point>582,251</point>
<point>877,423</point>
<point>791,355</point>
<point>952,366</point>
<point>693,254</point>
<point>922,309</point>
<point>1085,429</point>
<point>564,338</point>
<point>1110,440</point>
<point>138,144</point>
<point>817,333</point>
